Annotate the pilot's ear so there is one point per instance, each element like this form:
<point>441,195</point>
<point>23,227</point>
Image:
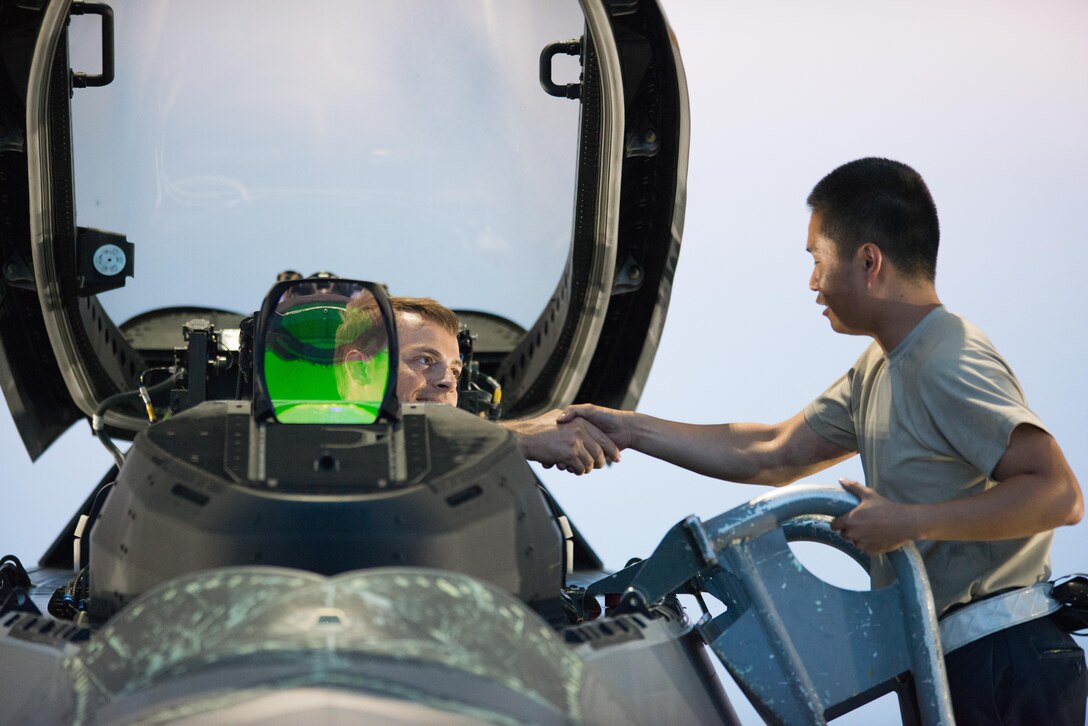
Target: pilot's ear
<point>355,372</point>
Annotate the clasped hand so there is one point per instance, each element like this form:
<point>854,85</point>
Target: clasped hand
<point>877,524</point>
<point>567,442</point>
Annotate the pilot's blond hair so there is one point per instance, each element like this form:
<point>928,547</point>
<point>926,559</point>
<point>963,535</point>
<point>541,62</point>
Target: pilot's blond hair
<point>361,330</point>
<point>429,309</point>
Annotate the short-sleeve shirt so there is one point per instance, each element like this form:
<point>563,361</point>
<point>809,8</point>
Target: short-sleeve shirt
<point>931,419</point>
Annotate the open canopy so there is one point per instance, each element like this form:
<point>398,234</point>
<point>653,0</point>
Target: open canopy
<point>523,160</point>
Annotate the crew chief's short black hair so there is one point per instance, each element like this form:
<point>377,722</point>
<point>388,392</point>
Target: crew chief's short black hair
<point>884,202</point>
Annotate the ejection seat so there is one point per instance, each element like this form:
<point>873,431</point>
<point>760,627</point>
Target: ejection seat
<point>803,650</point>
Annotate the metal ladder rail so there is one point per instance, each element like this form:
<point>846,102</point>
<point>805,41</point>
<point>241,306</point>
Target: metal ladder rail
<point>734,537</point>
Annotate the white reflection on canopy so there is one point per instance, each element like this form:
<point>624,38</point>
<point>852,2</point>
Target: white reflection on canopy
<point>403,142</point>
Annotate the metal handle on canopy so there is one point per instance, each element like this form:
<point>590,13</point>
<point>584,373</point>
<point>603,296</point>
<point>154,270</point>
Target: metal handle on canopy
<point>84,80</point>
<point>565,47</point>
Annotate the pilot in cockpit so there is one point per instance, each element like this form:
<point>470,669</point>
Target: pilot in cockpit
<point>429,367</point>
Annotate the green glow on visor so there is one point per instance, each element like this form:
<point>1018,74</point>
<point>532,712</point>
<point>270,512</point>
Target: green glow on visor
<point>326,360</point>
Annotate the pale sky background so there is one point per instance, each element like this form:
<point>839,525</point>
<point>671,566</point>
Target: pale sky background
<point>988,100</point>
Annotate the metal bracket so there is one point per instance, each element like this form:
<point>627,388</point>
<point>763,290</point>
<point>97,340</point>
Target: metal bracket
<point>17,273</point>
<point>104,260</point>
<point>684,553</point>
<point>14,587</point>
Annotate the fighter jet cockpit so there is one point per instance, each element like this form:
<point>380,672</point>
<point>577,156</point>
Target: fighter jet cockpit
<point>280,538</point>
<point>314,464</point>
<point>184,155</point>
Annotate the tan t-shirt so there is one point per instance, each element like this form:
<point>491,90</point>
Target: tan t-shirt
<point>931,419</point>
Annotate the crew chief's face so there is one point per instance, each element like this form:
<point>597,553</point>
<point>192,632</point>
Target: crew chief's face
<point>839,283</point>
<point>430,362</point>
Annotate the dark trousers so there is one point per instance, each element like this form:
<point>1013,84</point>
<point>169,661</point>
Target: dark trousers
<point>1032,673</point>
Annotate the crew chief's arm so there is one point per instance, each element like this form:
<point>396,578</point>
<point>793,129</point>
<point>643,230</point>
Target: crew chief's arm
<point>1036,491</point>
<point>772,454</point>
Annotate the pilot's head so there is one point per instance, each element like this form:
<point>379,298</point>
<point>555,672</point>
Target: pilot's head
<point>430,358</point>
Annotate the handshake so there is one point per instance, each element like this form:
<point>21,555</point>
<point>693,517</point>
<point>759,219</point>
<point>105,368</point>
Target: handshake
<point>577,439</point>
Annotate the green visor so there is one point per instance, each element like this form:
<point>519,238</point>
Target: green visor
<point>323,353</point>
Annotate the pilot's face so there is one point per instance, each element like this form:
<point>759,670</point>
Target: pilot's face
<point>839,283</point>
<point>430,361</point>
